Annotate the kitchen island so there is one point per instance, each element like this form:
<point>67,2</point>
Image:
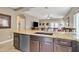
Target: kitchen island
<point>33,41</point>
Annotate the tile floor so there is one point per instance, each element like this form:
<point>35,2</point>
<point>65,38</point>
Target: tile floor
<point>8,47</point>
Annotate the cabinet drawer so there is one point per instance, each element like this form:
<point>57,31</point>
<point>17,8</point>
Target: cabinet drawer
<point>61,48</point>
<point>32,37</point>
<point>63,42</point>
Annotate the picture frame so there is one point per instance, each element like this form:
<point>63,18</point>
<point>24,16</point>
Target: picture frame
<point>5,21</point>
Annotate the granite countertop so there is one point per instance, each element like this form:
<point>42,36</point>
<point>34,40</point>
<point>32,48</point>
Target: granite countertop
<point>62,35</point>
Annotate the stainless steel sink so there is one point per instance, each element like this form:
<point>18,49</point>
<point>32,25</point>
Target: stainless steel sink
<point>44,33</point>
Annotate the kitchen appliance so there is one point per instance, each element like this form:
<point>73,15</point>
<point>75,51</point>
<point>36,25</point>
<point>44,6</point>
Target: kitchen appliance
<point>35,24</point>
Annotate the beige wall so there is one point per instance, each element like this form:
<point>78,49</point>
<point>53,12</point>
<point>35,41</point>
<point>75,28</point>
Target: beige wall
<point>6,34</point>
<point>29,18</point>
<point>29,21</point>
<point>70,14</point>
<point>52,20</point>
<point>25,21</point>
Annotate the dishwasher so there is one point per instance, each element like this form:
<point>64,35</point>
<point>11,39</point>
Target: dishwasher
<point>25,43</point>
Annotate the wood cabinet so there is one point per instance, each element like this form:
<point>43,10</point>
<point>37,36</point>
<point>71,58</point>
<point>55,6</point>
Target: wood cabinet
<point>34,43</point>
<point>41,44</point>
<point>16,41</point>
<point>75,46</point>
<point>60,48</point>
<point>62,45</point>
<point>46,45</point>
<point>34,46</point>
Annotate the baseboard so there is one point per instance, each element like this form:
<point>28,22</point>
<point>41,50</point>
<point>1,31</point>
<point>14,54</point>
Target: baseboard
<point>6,41</point>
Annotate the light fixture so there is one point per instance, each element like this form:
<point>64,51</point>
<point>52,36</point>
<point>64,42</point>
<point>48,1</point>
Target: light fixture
<point>50,16</point>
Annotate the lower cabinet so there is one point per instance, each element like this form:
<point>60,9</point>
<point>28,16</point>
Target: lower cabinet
<point>46,45</point>
<point>60,48</point>
<point>33,43</point>
<point>16,41</point>
<point>75,46</point>
<point>41,44</point>
<point>62,45</point>
<point>34,46</point>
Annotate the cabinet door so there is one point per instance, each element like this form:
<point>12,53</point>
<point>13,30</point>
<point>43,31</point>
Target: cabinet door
<point>62,45</point>
<point>34,46</point>
<point>16,41</point>
<point>77,47</point>
<point>46,45</point>
<point>60,48</point>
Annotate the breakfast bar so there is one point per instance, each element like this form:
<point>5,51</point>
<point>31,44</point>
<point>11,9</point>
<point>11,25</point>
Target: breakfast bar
<point>43,41</point>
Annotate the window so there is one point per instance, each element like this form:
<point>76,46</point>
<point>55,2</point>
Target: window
<point>56,25</point>
<point>76,22</point>
<point>52,25</point>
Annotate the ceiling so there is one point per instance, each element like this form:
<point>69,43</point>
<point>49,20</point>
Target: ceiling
<point>14,7</point>
<point>45,12</point>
